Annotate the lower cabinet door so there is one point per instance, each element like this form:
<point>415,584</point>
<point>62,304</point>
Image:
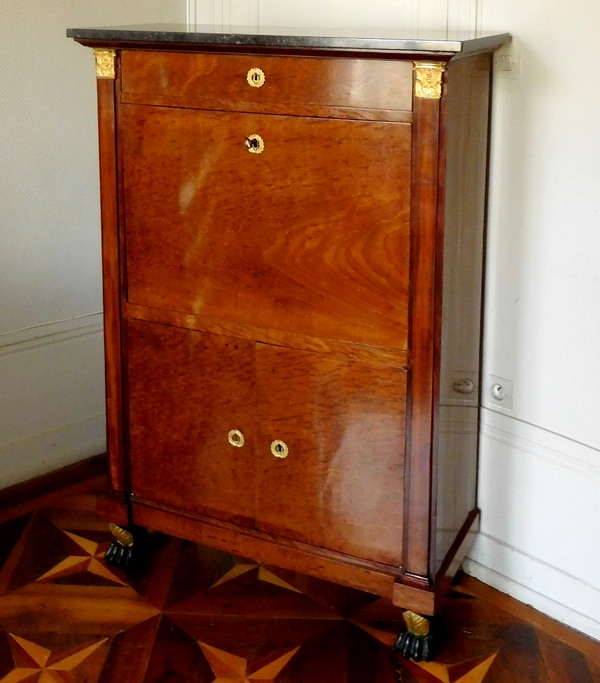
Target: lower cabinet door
<point>191,420</point>
<point>303,445</point>
<point>330,452</point>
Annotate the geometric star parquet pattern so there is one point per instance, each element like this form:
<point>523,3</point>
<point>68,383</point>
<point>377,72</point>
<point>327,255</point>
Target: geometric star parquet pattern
<point>193,614</point>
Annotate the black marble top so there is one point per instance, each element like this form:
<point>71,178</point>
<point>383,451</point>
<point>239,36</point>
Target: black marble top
<point>269,36</point>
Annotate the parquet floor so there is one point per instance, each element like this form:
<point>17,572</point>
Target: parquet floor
<point>196,615</point>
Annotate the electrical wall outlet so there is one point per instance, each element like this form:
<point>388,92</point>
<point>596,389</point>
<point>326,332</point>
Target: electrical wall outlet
<point>507,62</point>
<point>498,392</point>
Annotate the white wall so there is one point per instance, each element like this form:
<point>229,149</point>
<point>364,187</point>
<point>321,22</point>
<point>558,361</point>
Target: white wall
<point>540,462</point>
<point>540,467</point>
<point>51,364</point>
<point>413,15</point>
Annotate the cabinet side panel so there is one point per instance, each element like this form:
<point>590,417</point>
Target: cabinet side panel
<point>111,278</point>
<point>464,228</point>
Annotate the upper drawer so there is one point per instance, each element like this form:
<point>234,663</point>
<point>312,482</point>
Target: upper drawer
<point>267,84</point>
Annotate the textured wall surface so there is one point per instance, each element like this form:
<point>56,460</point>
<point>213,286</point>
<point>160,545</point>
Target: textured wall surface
<point>49,213</point>
<point>51,364</point>
<point>412,15</point>
<point>540,467</point>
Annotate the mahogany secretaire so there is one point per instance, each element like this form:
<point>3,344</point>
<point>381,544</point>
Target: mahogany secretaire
<point>293,231</point>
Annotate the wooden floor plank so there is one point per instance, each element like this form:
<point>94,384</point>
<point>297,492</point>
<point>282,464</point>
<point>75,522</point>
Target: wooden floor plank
<point>569,636</point>
<point>198,615</point>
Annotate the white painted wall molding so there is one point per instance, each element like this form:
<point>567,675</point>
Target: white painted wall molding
<point>49,451</point>
<point>516,574</point>
<point>412,15</point>
<point>52,375</point>
<point>465,15</point>
<point>541,443</point>
<point>540,498</point>
<point>458,420</point>
<point>50,333</point>
<point>52,399</point>
<point>191,13</point>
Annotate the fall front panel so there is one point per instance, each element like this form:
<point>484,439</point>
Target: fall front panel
<point>287,223</point>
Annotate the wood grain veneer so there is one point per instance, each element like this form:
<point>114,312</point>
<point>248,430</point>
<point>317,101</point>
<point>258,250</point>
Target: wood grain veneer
<point>459,318</point>
<point>310,237</point>
<point>343,422</point>
<point>111,282</point>
<point>301,295</point>
<point>210,81</point>
<point>187,391</point>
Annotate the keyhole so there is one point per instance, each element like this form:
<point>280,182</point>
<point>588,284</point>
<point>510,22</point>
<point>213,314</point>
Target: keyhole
<point>256,77</point>
<point>236,438</point>
<point>279,449</point>
<point>255,144</point>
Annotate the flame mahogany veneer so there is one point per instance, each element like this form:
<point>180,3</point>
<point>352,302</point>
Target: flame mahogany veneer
<point>299,296</point>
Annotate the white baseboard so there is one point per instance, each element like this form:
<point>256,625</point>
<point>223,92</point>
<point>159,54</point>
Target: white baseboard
<point>540,539</point>
<point>52,450</point>
<point>530,568</point>
<point>52,398</point>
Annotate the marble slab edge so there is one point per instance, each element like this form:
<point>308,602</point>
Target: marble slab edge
<point>133,35</point>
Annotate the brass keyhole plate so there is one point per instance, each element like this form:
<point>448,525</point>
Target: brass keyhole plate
<point>255,144</point>
<point>256,77</point>
<point>279,449</point>
<point>236,438</point>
